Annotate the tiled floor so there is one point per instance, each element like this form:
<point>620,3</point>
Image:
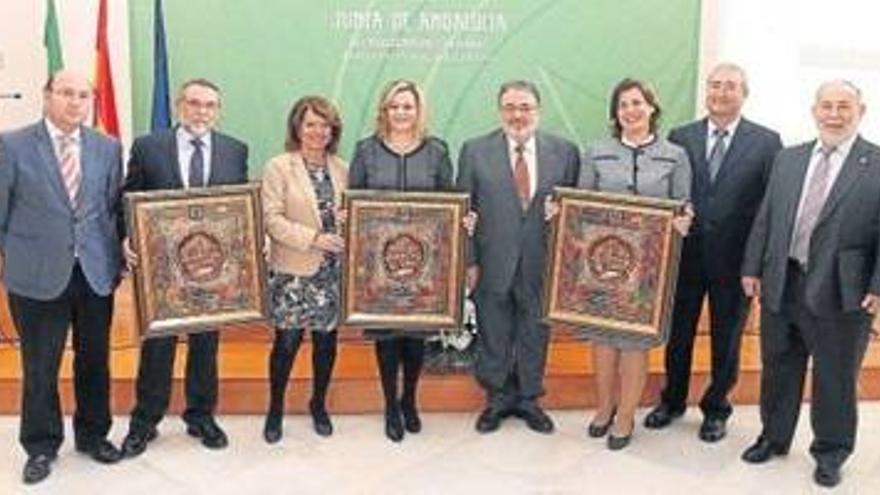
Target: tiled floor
<point>448,457</point>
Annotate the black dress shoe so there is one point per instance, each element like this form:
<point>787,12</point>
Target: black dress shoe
<point>598,431</point>
<point>37,468</point>
<point>209,432</point>
<point>536,419</point>
<point>411,420</point>
<point>135,443</point>
<point>272,431</point>
<point>320,420</point>
<point>827,474</point>
<point>393,426</point>
<point>489,420</point>
<point>761,451</point>
<point>662,416</point>
<point>713,429</point>
<point>102,451</point>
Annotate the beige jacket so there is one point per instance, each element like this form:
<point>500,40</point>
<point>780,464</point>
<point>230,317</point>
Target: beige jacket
<point>290,212</point>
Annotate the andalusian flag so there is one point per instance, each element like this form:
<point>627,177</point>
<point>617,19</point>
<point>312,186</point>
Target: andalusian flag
<point>105,102</point>
<point>51,39</point>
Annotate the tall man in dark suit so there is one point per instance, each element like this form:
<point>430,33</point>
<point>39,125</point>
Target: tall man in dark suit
<point>509,174</point>
<point>60,185</point>
<point>731,159</point>
<point>191,154</point>
<point>812,258</point>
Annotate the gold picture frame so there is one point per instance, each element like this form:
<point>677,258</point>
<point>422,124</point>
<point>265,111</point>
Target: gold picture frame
<point>405,259</point>
<point>200,258</point>
<point>613,264</point>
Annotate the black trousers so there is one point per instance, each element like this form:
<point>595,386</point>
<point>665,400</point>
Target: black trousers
<point>42,326</point>
<point>155,377</point>
<point>512,344</point>
<point>728,310</point>
<point>836,344</point>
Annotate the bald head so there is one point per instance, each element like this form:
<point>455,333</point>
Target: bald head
<point>67,98</point>
<point>838,111</point>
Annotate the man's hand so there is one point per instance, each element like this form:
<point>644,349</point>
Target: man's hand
<point>469,222</point>
<point>131,258</point>
<point>472,276</point>
<point>751,286</point>
<point>551,208</point>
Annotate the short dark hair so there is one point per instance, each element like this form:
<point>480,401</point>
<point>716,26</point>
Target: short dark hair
<point>648,93</point>
<point>198,81</point>
<point>521,85</point>
<point>321,107</point>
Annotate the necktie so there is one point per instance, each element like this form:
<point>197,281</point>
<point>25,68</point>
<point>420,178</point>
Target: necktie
<point>68,160</point>
<point>814,200</point>
<point>716,157</point>
<point>197,165</point>
<point>521,177</point>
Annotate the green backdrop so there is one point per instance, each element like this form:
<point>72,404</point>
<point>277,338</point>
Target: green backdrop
<point>266,54</point>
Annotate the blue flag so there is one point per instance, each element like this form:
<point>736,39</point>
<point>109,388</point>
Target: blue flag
<point>161,113</point>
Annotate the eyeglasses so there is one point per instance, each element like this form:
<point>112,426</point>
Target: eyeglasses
<point>524,108</point>
<point>72,94</point>
<point>210,106</point>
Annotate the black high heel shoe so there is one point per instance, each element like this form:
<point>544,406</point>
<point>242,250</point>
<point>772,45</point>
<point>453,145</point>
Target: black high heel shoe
<point>272,428</point>
<point>599,431</point>
<point>393,426</point>
<point>619,443</point>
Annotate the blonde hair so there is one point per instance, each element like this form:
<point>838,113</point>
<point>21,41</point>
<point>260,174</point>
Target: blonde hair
<point>383,127</point>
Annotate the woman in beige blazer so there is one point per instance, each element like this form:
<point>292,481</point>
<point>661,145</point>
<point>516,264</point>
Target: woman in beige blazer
<point>302,193</point>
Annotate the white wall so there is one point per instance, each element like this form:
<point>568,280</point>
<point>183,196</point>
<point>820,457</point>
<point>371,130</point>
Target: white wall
<point>788,47</point>
<point>23,58</point>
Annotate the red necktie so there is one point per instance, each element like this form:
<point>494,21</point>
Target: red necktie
<point>521,177</point>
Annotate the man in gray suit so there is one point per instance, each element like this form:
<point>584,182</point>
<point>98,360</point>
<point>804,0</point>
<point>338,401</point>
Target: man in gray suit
<point>812,258</point>
<point>509,174</point>
<point>60,186</point>
<point>731,158</point>
<point>192,154</point>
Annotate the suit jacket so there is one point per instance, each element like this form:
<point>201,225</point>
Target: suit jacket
<point>41,235</point>
<point>153,163</point>
<point>505,234</point>
<point>842,264</point>
<point>290,211</point>
<point>726,208</point>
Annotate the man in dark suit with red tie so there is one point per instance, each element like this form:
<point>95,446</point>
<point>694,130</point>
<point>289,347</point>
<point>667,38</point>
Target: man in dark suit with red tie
<point>731,159</point>
<point>191,154</point>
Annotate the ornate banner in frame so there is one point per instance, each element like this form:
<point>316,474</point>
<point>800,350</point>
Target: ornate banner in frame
<point>200,258</point>
<point>613,264</point>
<point>404,264</point>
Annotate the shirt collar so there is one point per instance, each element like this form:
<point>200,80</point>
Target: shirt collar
<point>528,146</point>
<point>842,148</point>
<point>185,136</point>
<point>56,134</point>
<point>731,127</point>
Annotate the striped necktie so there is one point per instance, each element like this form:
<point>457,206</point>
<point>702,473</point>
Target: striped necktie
<point>68,161</point>
<point>814,201</point>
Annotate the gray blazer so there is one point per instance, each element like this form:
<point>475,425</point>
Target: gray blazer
<point>842,262</point>
<point>41,235</point>
<point>505,234</point>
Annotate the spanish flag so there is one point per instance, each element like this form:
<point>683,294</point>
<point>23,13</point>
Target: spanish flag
<point>105,102</point>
